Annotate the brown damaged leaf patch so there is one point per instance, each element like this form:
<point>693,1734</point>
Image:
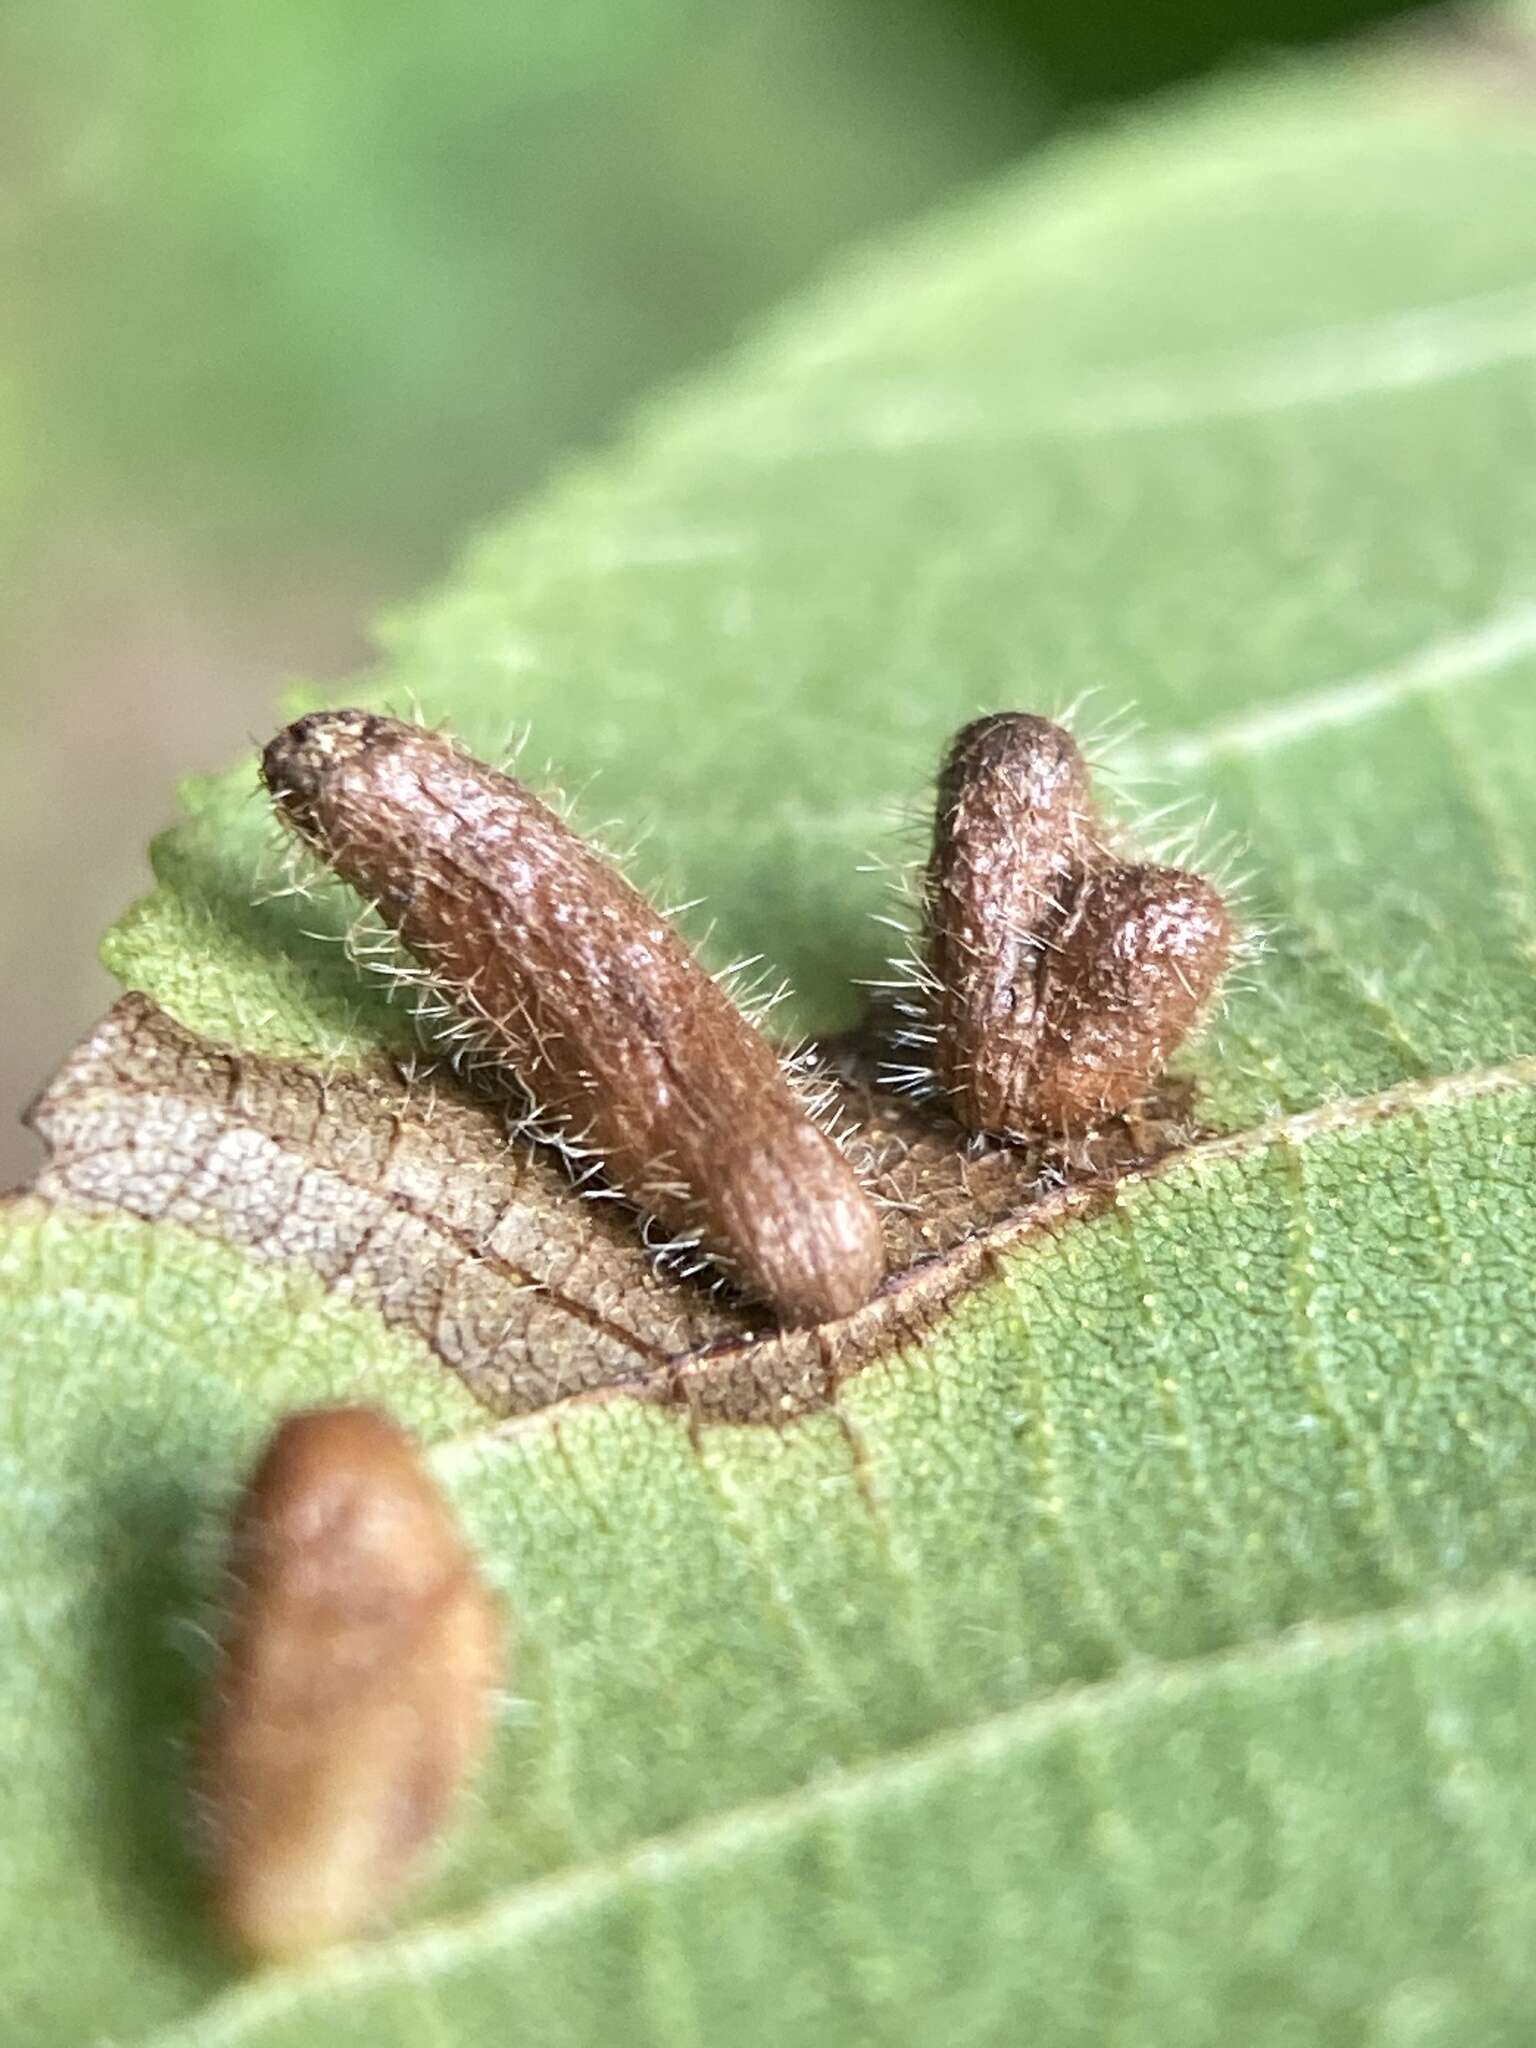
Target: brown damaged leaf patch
<point>410,1196</point>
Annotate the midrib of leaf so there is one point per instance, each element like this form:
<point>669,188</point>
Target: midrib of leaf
<point>601,1479</point>
<point>1167,1688</point>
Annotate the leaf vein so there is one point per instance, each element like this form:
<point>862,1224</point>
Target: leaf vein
<point>527,1909</point>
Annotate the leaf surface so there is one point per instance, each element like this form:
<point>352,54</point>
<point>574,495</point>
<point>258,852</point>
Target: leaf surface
<point>1147,1653</point>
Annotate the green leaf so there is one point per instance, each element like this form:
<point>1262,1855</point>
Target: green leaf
<point>359,284</point>
<point>1149,1652</point>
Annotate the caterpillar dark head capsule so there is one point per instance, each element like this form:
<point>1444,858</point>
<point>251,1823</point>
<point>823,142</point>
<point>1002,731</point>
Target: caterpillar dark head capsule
<point>582,990</point>
<point>354,1687</point>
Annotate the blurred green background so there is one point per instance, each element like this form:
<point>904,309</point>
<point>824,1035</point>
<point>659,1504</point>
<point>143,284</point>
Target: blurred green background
<point>295,294</point>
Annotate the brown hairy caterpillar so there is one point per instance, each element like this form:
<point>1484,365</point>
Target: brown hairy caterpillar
<point>578,986</point>
<point>1133,969</point>
<point>355,1683</point>
<point>1061,978</point>
<point>1013,825</point>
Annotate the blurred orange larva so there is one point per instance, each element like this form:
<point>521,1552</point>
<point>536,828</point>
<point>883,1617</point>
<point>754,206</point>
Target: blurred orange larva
<point>354,1688</point>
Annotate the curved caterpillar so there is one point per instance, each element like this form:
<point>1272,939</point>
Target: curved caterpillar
<point>1062,977</point>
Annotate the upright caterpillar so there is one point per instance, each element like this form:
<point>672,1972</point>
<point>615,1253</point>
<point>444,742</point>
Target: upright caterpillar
<point>1013,825</point>
<point>582,989</point>
<point>1062,977</point>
